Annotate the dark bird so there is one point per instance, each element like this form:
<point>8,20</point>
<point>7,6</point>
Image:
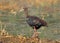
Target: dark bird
<point>34,21</point>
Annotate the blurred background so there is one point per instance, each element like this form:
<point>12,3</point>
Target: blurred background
<point>12,18</point>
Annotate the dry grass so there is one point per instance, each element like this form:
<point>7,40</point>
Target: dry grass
<point>21,39</point>
<point>6,38</point>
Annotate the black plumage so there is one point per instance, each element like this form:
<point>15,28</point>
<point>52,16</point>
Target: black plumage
<point>34,21</point>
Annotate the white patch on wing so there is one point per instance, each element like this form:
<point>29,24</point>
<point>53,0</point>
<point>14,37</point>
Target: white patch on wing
<point>36,21</point>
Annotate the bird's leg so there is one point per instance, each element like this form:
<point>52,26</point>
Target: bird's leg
<point>35,30</point>
<point>35,33</point>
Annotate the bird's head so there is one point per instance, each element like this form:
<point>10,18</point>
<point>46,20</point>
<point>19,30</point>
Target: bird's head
<point>25,8</point>
<point>26,11</point>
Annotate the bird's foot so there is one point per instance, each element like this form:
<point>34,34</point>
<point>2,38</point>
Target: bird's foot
<point>35,35</point>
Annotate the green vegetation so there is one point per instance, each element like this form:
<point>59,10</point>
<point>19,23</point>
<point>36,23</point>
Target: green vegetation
<point>15,23</point>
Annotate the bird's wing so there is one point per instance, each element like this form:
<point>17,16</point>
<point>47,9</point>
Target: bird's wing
<point>36,21</point>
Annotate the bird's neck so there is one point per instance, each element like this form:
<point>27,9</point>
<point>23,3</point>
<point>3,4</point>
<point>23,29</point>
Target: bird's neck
<point>26,12</point>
